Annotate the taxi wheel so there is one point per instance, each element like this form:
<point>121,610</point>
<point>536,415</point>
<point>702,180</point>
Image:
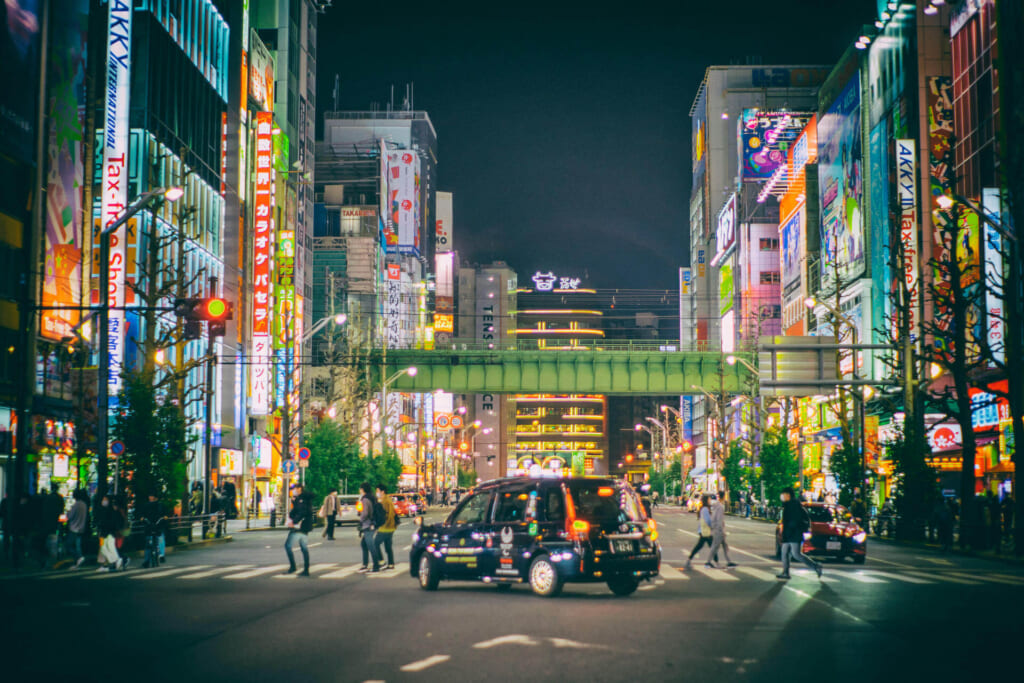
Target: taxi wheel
<point>429,577</point>
<point>544,578</point>
<point>623,585</point>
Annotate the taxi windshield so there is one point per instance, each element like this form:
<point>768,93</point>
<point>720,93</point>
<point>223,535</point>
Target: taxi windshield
<point>605,502</point>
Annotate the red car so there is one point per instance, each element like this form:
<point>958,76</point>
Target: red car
<point>405,505</point>
<point>833,534</point>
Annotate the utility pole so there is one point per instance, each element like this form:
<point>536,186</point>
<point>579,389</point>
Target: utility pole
<point>211,361</point>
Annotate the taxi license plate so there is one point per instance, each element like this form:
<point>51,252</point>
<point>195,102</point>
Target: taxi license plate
<point>833,545</point>
<point>620,546</point>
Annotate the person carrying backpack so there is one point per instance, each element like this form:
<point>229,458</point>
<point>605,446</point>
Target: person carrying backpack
<point>794,523</point>
<point>370,518</point>
<point>388,516</point>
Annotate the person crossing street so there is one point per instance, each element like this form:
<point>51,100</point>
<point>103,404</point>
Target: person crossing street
<point>794,523</point>
<point>386,531</point>
<point>718,532</point>
<point>330,512</point>
<point>367,528</point>
<point>300,522</point>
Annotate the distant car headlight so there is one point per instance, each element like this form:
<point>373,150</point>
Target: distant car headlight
<point>415,537</point>
<point>860,538</point>
<point>807,535</point>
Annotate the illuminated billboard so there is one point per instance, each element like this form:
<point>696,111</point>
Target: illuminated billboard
<point>114,196</point>
<point>404,190</point>
<point>791,247</point>
<point>841,183</point>
<point>906,181</point>
<point>766,138</point>
<point>443,238</point>
<point>261,73</point>
<point>263,232</point>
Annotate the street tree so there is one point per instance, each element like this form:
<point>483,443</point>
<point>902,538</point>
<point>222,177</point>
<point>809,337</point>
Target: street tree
<point>779,467</point>
<point>914,486</point>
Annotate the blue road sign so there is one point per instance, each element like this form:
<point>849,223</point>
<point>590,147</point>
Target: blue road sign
<point>303,453</point>
<point>288,467</point>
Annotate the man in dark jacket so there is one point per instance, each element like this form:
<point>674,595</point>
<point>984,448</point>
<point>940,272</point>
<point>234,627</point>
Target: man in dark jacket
<point>367,529</point>
<point>300,522</point>
<point>794,523</point>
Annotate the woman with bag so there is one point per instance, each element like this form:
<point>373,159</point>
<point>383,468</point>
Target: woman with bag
<point>704,533</point>
<point>386,531</point>
<point>107,525</point>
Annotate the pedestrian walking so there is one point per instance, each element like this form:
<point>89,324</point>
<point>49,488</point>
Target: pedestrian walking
<point>124,528</point>
<point>794,523</point>
<point>108,524</point>
<point>257,499</point>
<point>367,529</point>
<point>718,532</point>
<point>386,531</point>
<point>330,512</point>
<point>704,534</point>
<point>300,522</point>
<point>155,519</point>
<point>78,517</point>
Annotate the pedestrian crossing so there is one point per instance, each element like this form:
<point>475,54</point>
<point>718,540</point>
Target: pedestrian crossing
<point>735,577</point>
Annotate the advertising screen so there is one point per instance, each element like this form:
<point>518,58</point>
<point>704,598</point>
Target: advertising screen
<point>443,238</point>
<point>263,231</point>
<point>841,183</point>
<point>766,138</point>
<point>791,233</point>
<point>261,73</point>
<point>403,188</point>
<point>725,287</point>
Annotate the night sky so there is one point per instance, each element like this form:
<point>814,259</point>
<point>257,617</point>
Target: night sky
<point>565,133</point>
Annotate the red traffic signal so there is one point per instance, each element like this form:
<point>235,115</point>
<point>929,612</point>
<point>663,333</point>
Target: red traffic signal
<point>213,309</point>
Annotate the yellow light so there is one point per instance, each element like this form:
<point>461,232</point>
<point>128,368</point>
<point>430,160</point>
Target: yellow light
<point>935,370</point>
<point>606,491</point>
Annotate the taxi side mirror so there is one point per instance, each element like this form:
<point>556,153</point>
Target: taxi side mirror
<point>418,520</point>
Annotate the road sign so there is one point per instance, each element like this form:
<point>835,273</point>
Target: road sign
<point>303,453</point>
<point>288,467</point>
<point>116,448</point>
<point>304,462</point>
<point>458,422</point>
<point>443,421</point>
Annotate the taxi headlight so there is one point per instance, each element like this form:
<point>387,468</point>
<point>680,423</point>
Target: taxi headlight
<point>807,535</point>
<point>415,537</point>
<point>860,538</point>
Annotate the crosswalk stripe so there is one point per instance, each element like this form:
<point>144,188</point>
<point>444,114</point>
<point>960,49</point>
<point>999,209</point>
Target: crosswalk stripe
<point>902,577</point>
<point>946,578</point>
<point>1008,577</point>
<point>145,576</point>
<point>313,569</point>
<point>828,577</point>
<point>671,573</point>
<point>111,575</point>
<point>716,574</point>
<point>256,572</point>
<point>863,577</point>
<point>342,573</point>
<point>990,578</point>
<point>218,570</point>
<point>63,575</point>
<point>757,573</point>
<point>400,568</point>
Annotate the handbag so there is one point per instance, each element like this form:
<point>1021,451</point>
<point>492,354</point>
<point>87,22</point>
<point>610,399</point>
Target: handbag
<point>323,511</point>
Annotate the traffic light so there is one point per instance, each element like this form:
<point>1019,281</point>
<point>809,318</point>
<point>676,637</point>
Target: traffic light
<point>464,446</point>
<point>214,310</point>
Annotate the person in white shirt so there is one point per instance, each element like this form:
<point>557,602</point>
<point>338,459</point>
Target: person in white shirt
<point>718,532</point>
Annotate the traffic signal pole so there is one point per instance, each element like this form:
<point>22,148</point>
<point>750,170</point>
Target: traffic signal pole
<point>211,361</point>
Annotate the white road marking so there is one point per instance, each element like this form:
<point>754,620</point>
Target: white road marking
<point>902,577</point>
<point>213,572</point>
<point>505,640</point>
<point>813,576</point>
<point>406,547</point>
<point>1008,577</point>
<point>947,579</point>
<point>168,572</point>
<point>256,572</point>
<point>863,577</point>
<point>648,587</point>
<point>313,569</point>
<point>575,644</point>
<point>110,575</point>
<point>875,558</point>
<point>715,574</point>
<point>400,568</point>
<point>756,573</point>
<point>426,663</point>
<point>342,573</point>
<point>934,560</point>
<point>992,578</point>
<point>835,609</point>
<point>671,573</point>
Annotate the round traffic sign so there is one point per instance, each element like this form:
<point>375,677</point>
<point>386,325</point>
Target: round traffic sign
<point>458,422</point>
<point>288,467</point>
<point>442,421</point>
<point>303,453</point>
<point>116,447</point>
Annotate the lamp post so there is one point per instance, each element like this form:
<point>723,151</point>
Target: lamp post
<point>858,397</point>
<point>719,427</point>
<point>411,371</point>
<point>171,194</point>
<point>756,401</point>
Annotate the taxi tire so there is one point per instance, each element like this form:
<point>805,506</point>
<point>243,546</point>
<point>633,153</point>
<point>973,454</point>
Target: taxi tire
<point>623,585</point>
<point>544,578</point>
<point>429,576</point>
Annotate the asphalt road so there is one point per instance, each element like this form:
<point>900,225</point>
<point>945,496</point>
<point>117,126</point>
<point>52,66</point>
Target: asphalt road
<point>225,613</point>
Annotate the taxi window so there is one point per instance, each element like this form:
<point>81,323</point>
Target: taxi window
<point>595,502</point>
<point>554,508</point>
<point>473,510</point>
<point>512,506</point>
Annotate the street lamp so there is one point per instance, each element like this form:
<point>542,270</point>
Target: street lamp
<point>170,194</point>
<point>339,319</point>
<point>411,372</point>
<point>719,426</point>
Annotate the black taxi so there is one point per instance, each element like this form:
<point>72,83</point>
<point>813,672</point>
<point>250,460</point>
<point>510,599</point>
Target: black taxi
<point>543,531</point>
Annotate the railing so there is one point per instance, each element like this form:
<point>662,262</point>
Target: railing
<point>659,345</point>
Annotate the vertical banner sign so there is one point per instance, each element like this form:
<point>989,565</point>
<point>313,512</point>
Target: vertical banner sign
<point>393,314</point>
<point>686,415</point>
<point>906,178</point>
<point>115,177</point>
<point>443,224</point>
<point>223,152</point>
<point>994,325</point>
<point>259,377</point>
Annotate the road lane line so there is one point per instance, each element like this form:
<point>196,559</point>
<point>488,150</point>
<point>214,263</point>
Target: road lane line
<point>256,572</point>
<point>110,575</point>
<point>875,558</point>
<point>947,579</point>
<point>400,568</point>
<point>863,577</point>
<point>168,572</point>
<point>343,572</point>
<point>835,609</point>
<point>313,569</point>
<point>991,578</point>
<point>513,639</point>
<point>671,573</point>
<point>426,663</point>
<point>1008,577</point>
<point>715,574</point>
<point>813,576</point>
<point>213,572</point>
<point>901,577</point>
<point>406,547</point>
<point>757,573</point>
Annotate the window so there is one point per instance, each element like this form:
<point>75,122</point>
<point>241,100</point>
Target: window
<point>770,277</point>
<point>473,511</point>
<point>512,506</point>
<point>554,509</point>
<point>769,243</point>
